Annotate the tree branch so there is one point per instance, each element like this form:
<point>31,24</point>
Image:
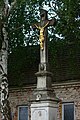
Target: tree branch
<point>8,7</point>
<point>12,4</point>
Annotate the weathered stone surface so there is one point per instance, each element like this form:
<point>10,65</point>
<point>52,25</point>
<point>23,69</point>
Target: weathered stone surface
<point>45,110</point>
<point>43,106</point>
<point>68,92</point>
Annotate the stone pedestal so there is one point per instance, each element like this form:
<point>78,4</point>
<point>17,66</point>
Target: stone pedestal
<point>44,110</point>
<point>44,101</point>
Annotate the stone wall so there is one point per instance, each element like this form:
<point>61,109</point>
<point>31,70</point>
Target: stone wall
<point>19,97</point>
<point>67,92</point>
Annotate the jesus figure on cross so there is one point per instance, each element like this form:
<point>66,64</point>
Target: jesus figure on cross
<point>41,37</point>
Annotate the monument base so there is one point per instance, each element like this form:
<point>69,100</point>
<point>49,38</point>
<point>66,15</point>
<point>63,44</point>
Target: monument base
<point>44,103</point>
<point>44,110</point>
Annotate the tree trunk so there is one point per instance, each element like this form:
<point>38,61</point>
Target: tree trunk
<point>5,107</point>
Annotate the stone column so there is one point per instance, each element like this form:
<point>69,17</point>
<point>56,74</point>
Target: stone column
<point>44,101</point>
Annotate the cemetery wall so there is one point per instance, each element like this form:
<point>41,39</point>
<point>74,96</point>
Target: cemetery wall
<point>66,92</point>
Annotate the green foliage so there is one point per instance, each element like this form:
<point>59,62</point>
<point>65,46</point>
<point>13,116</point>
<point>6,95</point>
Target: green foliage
<point>63,59</point>
<point>69,20</point>
<point>1,7</point>
<point>1,3</point>
<point>26,13</point>
<point>20,22</point>
<point>64,38</point>
<point>21,63</point>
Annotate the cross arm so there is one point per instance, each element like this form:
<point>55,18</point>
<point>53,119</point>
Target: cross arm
<point>34,25</point>
<point>52,22</point>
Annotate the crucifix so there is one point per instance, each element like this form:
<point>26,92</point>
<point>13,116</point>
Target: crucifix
<point>44,100</point>
<point>43,75</point>
<point>43,37</point>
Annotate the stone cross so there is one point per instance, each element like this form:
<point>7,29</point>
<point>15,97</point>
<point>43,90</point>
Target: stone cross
<point>43,75</point>
<point>44,105</point>
<point>43,38</point>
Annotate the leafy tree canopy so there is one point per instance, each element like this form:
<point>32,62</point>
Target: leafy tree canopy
<point>21,34</point>
<point>26,13</point>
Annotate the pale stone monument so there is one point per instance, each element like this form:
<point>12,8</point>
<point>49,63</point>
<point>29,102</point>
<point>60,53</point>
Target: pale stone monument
<point>44,101</point>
